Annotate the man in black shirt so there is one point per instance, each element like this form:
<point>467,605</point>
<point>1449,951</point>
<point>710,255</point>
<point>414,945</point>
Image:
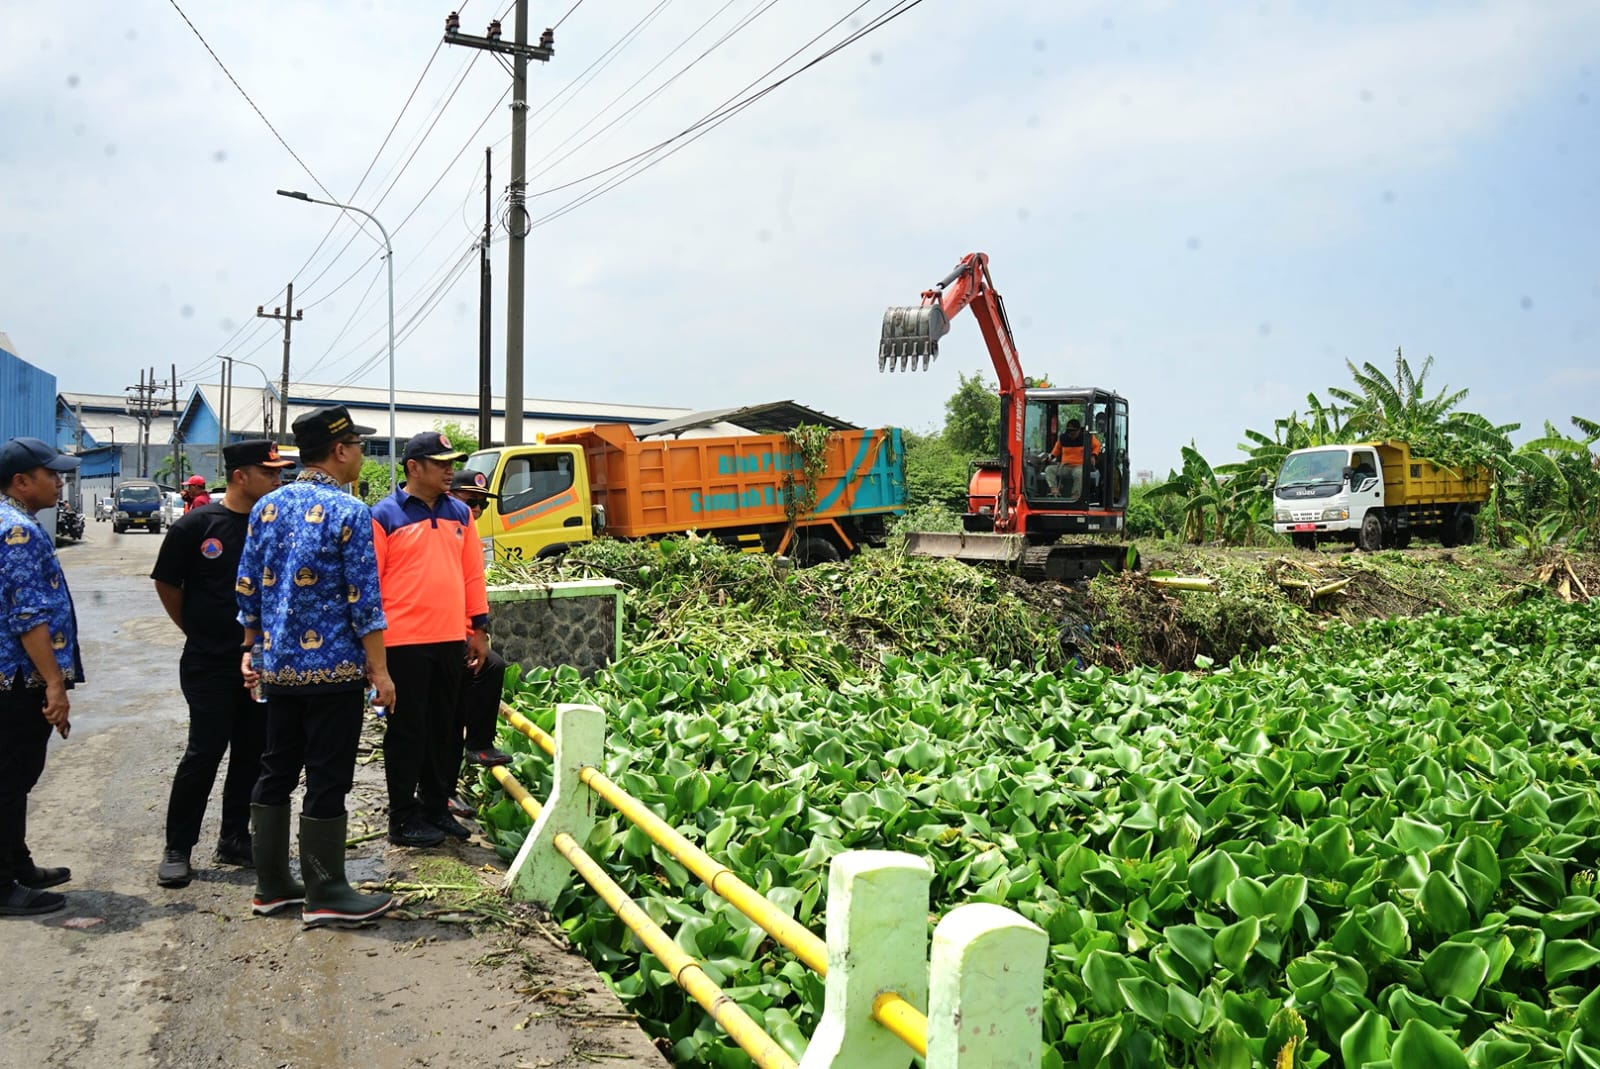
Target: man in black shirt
<point>195,573</point>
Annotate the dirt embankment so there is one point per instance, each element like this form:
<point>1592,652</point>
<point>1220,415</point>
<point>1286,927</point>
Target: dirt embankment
<point>1256,599</point>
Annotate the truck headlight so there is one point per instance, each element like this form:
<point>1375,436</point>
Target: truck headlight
<point>1280,515</point>
<point>1336,514</point>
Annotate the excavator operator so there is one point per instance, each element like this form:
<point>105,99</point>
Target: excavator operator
<point>1067,455</point>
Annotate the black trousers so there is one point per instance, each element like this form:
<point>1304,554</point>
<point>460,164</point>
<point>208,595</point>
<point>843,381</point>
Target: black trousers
<point>478,711</point>
<point>24,733</point>
<point>317,731</point>
<point>422,743</point>
<point>222,720</point>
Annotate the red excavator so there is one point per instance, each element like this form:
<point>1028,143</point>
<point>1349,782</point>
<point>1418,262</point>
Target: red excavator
<point>1062,468</point>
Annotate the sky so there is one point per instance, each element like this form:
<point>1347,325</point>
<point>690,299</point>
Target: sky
<point>1208,208</point>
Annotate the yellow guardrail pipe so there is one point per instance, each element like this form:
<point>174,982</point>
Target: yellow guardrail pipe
<point>889,1009</point>
<point>686,971</point>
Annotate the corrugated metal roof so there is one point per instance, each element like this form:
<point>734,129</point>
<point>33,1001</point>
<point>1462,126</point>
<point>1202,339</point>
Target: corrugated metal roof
<point>774,417</point>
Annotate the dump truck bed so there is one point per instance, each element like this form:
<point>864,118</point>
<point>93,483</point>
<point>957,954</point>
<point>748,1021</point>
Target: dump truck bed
<point>1410,480</point>
<point>668,485</point>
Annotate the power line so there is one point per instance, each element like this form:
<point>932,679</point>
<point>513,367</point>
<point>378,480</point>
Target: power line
<point>252,103</point>
<point>570,10</point>
<point>643,161</point>
<point>657,91</point>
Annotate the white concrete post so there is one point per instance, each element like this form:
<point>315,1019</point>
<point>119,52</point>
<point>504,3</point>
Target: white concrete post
<point>877,942</point>
<point>539,873</point>
<point>986,990</point>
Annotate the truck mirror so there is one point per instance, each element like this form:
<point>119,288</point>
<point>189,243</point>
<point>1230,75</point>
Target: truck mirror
<point>1265,479</point>
<point>1348,471</point>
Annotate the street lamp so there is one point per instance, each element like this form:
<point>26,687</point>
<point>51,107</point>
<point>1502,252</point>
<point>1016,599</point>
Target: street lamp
<point>227,398</point>
<point>388,252</point>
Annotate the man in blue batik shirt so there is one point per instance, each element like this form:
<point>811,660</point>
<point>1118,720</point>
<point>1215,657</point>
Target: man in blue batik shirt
<point>308,588</point>
<point>39,662</point>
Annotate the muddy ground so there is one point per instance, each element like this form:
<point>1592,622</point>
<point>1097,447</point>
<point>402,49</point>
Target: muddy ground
<point>130,974</point>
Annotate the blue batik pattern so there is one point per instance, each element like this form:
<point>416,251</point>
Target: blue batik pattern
<point>33,591</point>
<point>308,581</point>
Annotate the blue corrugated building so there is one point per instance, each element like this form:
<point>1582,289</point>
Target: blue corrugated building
<point>27,397</point>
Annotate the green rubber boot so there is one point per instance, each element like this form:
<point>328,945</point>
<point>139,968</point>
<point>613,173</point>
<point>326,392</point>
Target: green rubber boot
<point>275,889</point>
<point>329,897</point>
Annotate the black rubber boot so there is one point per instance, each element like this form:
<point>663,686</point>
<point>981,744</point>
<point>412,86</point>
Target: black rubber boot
<point>275,889</point>
<point>329,897</point>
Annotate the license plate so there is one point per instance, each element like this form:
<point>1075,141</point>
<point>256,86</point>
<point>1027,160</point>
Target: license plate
<point>1302,527</point>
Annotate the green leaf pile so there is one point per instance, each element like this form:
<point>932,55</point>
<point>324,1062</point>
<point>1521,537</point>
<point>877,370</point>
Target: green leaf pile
<point>1379,849</point>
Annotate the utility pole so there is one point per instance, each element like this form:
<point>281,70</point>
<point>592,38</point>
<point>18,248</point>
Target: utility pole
<point>521,52</point>
<point>288,315</point>
<point>179,461</point>
<point>144,401</point>
<point>222,412</point>
<point>485,416</point>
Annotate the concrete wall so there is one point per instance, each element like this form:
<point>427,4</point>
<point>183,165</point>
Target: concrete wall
<point>546,625</point>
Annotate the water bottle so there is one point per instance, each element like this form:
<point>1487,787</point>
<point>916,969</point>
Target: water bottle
<point>257,662</point>
<point>379,711</point>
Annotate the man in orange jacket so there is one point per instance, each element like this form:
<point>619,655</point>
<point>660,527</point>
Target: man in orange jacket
<point>430,568</point>
<point>1068,454</point>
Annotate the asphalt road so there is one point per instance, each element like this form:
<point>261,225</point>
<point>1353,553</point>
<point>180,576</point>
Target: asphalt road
<point>130,974</point>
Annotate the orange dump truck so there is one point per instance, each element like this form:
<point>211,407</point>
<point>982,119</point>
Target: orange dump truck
<point>604,479</point>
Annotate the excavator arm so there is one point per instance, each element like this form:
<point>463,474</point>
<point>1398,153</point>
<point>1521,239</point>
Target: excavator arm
<point>912,333</point>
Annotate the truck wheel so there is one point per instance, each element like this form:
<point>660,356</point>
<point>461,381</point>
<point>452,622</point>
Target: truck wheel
<point>1465,530</point>
<point>1304,541</point>
<point>118,528</point>
<point>814,549</point>
<point>155,528</point>
<point>1371,537</point>
<point>1401,540</point>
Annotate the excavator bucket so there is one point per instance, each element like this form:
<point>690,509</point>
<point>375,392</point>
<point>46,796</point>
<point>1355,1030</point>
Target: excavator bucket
<point>910,334</point>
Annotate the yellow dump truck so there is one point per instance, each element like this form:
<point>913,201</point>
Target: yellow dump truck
<point>1377,495</point>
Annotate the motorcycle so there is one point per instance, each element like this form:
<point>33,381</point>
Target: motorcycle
<point>69,523</point>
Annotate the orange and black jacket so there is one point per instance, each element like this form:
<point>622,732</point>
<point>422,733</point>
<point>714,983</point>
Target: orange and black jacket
<point>430,569</point>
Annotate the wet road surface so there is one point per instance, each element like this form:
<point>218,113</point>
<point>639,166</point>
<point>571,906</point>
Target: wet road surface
<point>131,974</point>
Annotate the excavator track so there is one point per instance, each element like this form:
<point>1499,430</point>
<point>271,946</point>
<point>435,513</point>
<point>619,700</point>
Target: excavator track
<point>1074,561</point>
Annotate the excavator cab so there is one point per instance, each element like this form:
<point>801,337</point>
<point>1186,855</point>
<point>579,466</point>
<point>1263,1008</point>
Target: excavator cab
<point>1076,449</point>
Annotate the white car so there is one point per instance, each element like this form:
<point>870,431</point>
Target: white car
<point>171,508</point>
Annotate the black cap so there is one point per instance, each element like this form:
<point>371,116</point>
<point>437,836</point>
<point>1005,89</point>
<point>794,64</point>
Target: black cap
<point>24,454</point>
<point>430,445</point>
<point>325,426</point>
<point>467,481</point>
<point>258,452</point>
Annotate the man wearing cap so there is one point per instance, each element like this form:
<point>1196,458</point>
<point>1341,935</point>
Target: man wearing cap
<point>308,588</point>
<point>430,565</point>
<point>478,709</point>
<point>39,662</point>
<point>194,493</point>
<point>195,572</point>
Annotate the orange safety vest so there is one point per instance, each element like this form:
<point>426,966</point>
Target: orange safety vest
<point>1072,455</point>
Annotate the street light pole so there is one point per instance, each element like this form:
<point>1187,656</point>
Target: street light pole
<point>388,253</point>
<point>227,401</point>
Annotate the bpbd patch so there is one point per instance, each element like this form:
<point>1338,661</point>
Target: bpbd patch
<point>211,548</point>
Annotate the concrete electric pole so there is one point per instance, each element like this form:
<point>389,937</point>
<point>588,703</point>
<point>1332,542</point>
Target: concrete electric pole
<point>288,314</point>
<point>485,393</point>
<point>517,214</point>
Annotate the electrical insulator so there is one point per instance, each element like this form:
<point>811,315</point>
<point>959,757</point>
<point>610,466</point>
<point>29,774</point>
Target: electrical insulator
<point>493,33</point>
<point>452,22</point>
